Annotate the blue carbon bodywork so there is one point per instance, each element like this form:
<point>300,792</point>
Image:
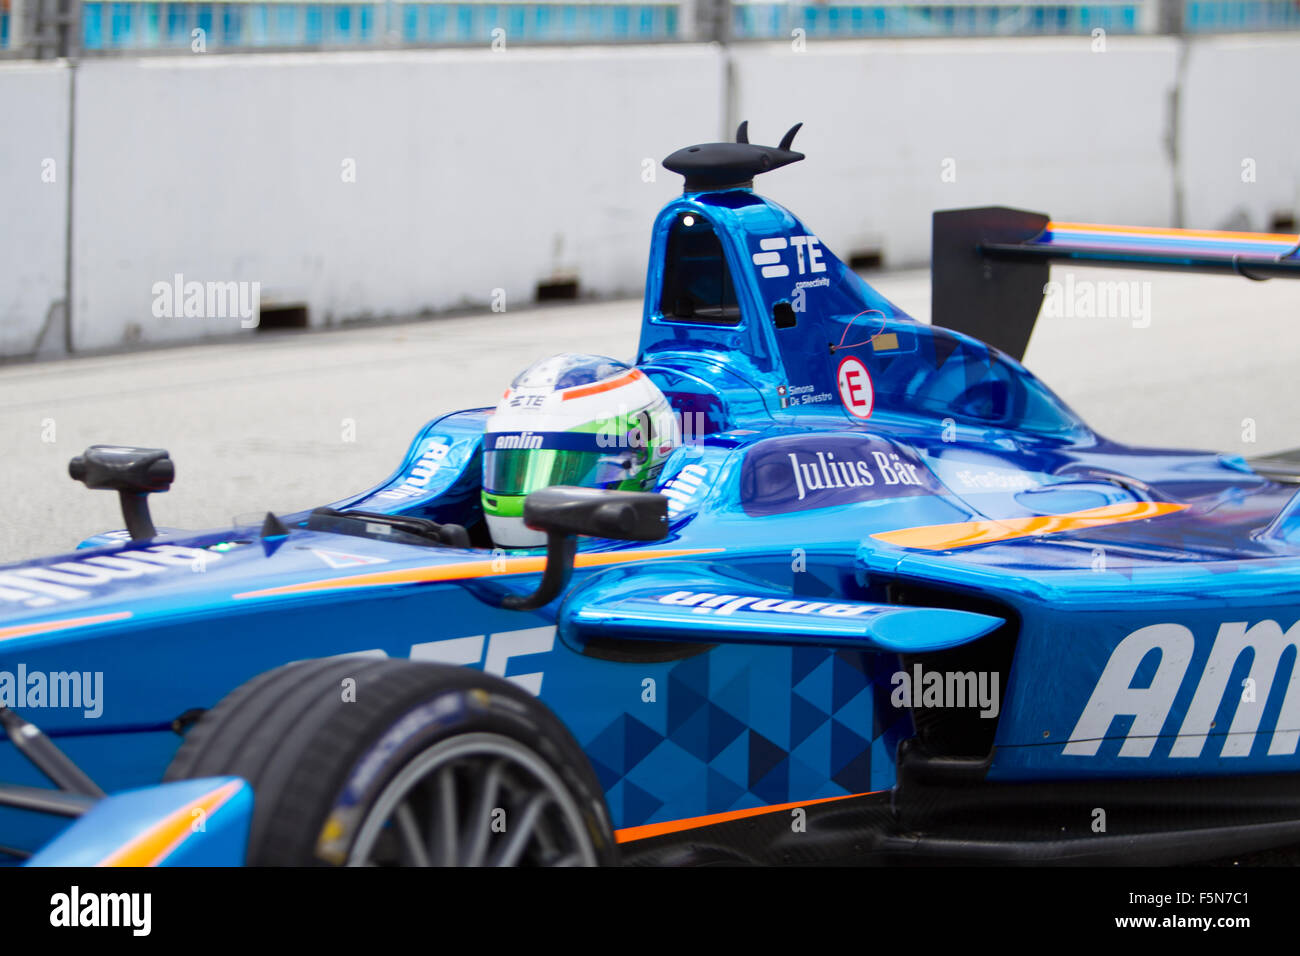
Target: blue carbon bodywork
<point>187,823</point>
<point>854,486</point>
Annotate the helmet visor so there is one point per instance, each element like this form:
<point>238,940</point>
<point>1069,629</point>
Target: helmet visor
<point>578,460</point>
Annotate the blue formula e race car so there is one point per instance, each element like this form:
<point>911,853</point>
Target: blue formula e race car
<point>810,581</point>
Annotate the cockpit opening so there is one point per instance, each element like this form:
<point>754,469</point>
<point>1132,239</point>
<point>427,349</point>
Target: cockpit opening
<point>697,283</point>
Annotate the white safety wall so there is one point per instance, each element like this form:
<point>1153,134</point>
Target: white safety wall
<point>1239,142</point>
<point>381,184</point>
<point>897,129</point>
<point>474,172</point>
<point>34,206</point>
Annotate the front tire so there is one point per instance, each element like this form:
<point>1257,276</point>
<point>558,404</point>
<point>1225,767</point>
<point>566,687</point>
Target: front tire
<point>361,761</point>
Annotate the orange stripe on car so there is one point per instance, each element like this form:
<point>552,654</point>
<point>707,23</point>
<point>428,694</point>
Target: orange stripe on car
<point>161,840</point>
<point>467,570</point>
<point>583,391</point>
<point>964,534</point>
<point>628,834</point>
<point>45,627</point>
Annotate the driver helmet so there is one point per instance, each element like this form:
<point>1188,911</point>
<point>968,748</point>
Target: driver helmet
<point>572,419</point>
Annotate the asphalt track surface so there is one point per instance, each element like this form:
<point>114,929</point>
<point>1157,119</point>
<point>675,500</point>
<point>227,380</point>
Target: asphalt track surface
<point>289,421</point>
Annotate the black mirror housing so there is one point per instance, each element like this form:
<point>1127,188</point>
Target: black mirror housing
<point>120,468</point>
<point>620,515</point>
<point>564,512</point>
<point>133,473</point>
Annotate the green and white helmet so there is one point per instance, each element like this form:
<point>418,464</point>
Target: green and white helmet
<point>580,420</point>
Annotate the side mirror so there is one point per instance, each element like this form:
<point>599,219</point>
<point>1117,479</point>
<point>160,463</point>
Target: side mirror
<point>622,515</point>
<point>564,512</point>
<point>133,473</point>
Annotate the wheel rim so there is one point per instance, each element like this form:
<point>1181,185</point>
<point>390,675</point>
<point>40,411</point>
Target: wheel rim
<point>474,800</point>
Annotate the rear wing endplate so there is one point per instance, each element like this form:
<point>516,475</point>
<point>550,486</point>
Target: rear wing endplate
<point>990,264</point>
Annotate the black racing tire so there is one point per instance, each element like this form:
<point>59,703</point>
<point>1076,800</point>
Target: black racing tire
<point>324,768</point>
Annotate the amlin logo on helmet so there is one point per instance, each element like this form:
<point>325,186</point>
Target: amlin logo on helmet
<point>521,440</point>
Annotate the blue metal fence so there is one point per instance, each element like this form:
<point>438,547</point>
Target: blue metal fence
<point>143,25</point>
<point>1237,16</point>
<point>765,20</point>
<point>149,25</point>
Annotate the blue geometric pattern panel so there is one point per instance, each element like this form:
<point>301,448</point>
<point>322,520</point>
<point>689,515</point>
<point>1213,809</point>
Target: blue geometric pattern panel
<point>743,727</point>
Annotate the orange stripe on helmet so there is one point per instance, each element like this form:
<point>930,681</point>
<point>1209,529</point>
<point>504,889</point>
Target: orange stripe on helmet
<point>583,391</point>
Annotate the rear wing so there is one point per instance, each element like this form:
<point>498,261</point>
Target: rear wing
<point>990,265</point>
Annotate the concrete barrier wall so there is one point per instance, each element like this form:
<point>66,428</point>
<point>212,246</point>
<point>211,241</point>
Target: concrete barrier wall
<point>897,129</point>
<point>381,184</point>
<point>34,203</point>
<point>474,171</point>
<point>1239,132</point>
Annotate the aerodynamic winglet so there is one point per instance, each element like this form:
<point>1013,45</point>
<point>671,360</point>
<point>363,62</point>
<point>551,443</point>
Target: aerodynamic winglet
<point>696,603</point>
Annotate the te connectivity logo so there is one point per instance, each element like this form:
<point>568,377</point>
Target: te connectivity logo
<point>681,490</point>
<point>494,653</point>
<point>774,257</point>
